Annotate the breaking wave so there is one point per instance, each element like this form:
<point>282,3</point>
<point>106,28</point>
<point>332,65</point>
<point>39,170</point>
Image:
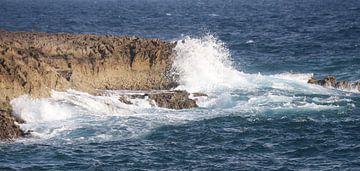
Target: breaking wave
<point>202,65</point>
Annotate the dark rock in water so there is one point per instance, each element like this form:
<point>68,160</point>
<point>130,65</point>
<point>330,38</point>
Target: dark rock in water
<point>313,81</point>
<point>357,84</point>
<point>330,81</point>
<point>167,99</point>
<point>199,94</point>
<point>343,85</point>
<point>173,100</point>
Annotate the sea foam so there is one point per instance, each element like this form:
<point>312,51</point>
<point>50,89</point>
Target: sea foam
<point>204,64</point>
<point>201,64</point>
<point>37,110</point>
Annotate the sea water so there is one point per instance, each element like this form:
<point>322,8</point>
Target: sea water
<point>252,59</point>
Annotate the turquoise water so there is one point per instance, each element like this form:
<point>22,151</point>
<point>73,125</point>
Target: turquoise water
<point>251,57</point>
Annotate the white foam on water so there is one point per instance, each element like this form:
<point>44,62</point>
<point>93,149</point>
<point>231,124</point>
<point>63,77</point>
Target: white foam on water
<point>74,116</point>
<point>37,110</point>
<point>202,65</point>
<point>299,77</point>
<point>250,41</point>
<point>102,105</point>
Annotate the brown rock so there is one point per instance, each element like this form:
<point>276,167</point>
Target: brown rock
<point>35,63</point>
<point>313,81</point>
<point>343,85</point>
<point>330,81</point>
<point>39,62</point>
<point>8,129</point>
<point>164,99</point>
<point>173,100</point>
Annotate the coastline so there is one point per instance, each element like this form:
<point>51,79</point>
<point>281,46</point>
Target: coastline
<point>36,63</point>
<point>33,63</point>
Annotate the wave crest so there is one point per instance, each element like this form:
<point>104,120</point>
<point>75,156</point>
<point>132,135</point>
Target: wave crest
<point>204,64</point>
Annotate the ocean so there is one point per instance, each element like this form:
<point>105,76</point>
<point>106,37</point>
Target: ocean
<point>252,57</point>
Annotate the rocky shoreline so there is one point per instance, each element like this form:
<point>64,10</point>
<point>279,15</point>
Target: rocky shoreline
<point>35,63</point>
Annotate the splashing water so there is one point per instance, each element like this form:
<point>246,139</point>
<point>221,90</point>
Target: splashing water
<point>204,65</point>
<point>248,121</point>
<point>201,65</point>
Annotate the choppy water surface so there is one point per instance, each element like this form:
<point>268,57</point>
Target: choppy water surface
<point>252,58</point>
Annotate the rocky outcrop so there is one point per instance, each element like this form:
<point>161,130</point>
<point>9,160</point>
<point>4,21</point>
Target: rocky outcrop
<point>8,127</point>
<point>173,100</point>
<point>166,99</point>
<point>35,63</point>
<point>330,81</point>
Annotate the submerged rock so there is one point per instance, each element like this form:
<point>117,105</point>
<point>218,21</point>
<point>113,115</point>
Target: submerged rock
<point>344,85</point>
<point>168,99</point>
<point>330,81</point>
<point>173,100</point>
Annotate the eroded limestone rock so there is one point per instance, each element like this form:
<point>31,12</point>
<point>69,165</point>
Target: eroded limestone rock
<point>8,128</point>
<point>165,99</point>
<point>35,63</point>
<point>173,100</point>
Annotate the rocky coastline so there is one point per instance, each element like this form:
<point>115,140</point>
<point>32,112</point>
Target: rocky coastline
<point>35,63</point>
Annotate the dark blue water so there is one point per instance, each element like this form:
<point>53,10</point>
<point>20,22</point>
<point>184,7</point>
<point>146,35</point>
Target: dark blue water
<point>271,37</point>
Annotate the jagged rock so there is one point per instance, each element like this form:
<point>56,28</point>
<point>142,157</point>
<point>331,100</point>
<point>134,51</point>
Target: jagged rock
<point>312,80</point>
<point>343,85</point>
<point>8,129</point>
<point>35,63</point>
<point>168,99</point>
<point>173,100</point>
<point>330,81</point>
